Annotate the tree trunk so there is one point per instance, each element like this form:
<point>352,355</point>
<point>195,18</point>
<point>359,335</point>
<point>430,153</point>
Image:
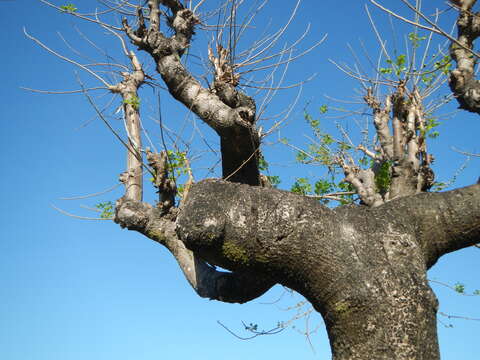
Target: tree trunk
<point>364,269</point>
<point>388,313</point>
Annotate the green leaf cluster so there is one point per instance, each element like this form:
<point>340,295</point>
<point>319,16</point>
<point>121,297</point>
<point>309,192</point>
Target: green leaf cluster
<point>460,288</point>
<point>440,67</point>
<point>430,124</point>
<point>383,177</point>
<point>301,186</point>
<point>322,152</point>
<point>397,66</point>
<point>439,186</point>
<point>443,65</point>
<point>323,109</point>
<point>69,8</point>
<point>177,163</point>
<point>177,167</point>
<point>107,209</point>
<point>263,166</point>
<point>274,180</point>
<point>415,39</point>
<point>134,101</point>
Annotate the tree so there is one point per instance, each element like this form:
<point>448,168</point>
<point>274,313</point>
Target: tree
<point>358,264</point>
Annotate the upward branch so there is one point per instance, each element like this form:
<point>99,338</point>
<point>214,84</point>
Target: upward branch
<point>462,79</point>
<point>128,89</point>
<point>225,109</point>
<point>443,222</point>
<point>237,287</point>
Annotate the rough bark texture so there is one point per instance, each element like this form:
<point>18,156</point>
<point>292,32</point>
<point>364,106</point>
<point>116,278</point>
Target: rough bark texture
<point>364,269</point>
<point>128,90</point>
<point>401,152</point>
<point>462,79</point>
<point>225,109</point>
<point>204,278</point>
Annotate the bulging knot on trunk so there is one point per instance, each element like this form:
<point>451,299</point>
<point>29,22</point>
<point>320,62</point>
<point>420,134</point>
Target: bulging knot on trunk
<point>166,186</point>
<point>224,69</point>
<point>133,215</point>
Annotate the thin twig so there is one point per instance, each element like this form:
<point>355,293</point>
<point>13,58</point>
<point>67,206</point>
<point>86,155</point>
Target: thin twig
<point>77,216</point>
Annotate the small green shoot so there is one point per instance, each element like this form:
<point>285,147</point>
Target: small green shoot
<point>301,186</point>
<point>459,288</point>
<point>107,209</point>
<point>134,101</point>
<point>69,8</point>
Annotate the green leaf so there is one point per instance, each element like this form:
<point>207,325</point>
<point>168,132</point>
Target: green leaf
<point>314,123</point>
<point>415,39</point>
<point>327,139</point>
<point>107,209</point>
<point>366,161</point>
<point>323,109</point>
<point>460,288</point>
<point>439,186</point>
<point>430,124</point>
<point>301,157</point>
<point>134,101</point>
<point>383,177</point>
<point>444,65</point>
<point>69,8</point>
<point>323,187</point>
<point>262,164</point>
<point>177,163</point>
<point>274,180</point>
<point>397,65</point>
<point>347,187</point>
<point>400,61</point>
<point>301,186</point>
<point>427,79</point>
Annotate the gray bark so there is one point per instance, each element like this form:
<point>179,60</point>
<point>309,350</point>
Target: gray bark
<point>128,90</point>
<point>225,109</point>
<point>462,79</point>
<point>364,269</point>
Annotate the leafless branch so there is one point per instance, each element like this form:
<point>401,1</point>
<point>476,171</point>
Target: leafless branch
<point>77,216</point>
<point>91,195</point>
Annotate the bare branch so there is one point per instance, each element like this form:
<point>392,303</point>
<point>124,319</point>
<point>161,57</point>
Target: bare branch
<point>66,59</point>
<point>77,216</point>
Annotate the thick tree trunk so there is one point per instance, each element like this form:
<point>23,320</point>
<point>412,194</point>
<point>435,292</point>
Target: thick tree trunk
<point>463,83</point>
<point>388,312</point>
<point>397,324</point>
<point>363,269</point>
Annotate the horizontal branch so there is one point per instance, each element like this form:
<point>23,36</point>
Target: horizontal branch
<point>443,222</point>
<point>236,287</point>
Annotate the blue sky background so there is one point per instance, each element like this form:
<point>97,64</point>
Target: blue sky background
<point>76,290</point>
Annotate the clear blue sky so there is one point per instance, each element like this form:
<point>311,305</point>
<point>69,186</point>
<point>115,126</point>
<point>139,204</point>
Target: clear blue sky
<point>77,290</point>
